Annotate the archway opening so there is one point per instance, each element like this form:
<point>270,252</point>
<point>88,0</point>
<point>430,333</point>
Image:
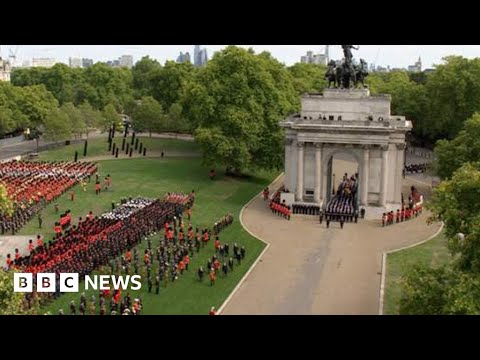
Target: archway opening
<point>343,185</point>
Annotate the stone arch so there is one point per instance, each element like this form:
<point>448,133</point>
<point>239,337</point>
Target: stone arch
<point>329,153</point>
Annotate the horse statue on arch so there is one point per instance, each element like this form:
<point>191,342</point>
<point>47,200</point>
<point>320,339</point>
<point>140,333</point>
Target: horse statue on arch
<point>331,75</point>
<point>361,73</point>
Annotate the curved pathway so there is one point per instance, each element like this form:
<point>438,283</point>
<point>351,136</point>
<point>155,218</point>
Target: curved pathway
<point>309,269</point>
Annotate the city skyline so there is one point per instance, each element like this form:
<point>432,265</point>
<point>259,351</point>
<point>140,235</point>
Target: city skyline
<point>395,56</point>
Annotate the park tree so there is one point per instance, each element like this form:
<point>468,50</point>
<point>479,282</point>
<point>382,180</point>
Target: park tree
<point>408,97</point>
<point>176,122</point>
<point>7,121</point>
<point>112,85</point>
<point>12,303</point>
<point>455,202</point>
<point>439,291</point>
<point>92,118</point>
<point>453,91</point>
<point>168,84</point>
<point>57,126</point>
<point>109,116</point>
<point>235,104</point>
<point>143,74</point>
<point>308,77</point>
<point>148,115</point>
<point>76,118</point>
<point>465,147</point>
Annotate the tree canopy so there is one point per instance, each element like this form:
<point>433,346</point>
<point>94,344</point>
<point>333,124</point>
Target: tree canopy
<point>236,103</point>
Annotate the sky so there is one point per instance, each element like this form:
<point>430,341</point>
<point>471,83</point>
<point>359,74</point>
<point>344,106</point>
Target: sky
<point>395,56</point>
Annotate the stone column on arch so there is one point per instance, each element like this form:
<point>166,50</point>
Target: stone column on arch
<point>318,172</point>
<point>300,169</point>
<point>384,175</point>
<point>289,179</point>
<point>365,176</point>
<point>399,172</point>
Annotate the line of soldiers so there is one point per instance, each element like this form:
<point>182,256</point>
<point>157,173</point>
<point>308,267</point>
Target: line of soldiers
<point>280,210</point>
<point>416,168</point>
<point>405,214</point>
<point>221,224</point>
<point>306,209</point>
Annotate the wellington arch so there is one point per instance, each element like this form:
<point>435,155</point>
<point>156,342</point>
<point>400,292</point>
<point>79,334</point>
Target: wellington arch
<point>353,122</point>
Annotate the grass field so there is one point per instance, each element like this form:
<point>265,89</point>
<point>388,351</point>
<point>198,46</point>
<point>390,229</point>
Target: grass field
<point>433,253</point>
<point>153,178</point>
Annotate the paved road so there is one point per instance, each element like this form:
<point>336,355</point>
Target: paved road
<point>309,269</point>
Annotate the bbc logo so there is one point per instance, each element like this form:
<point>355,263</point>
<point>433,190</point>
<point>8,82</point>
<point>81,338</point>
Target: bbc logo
<point>46,282</point>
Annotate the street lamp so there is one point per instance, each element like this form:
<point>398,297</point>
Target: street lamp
<point>333,185</point>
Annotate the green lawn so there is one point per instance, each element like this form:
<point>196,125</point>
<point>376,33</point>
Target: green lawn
<point>99,147</point>
<point>153,178</point>
<point>433,253</point>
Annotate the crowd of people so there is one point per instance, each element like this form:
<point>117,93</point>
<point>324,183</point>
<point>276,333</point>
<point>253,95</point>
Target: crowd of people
<point>415,168</point>
<point>32,185</point>
<point>95,241</point>
<point>343,205</point>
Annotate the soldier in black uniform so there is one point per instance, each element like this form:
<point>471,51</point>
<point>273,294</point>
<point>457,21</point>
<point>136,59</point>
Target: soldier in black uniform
<point>150,284</point>
<point>230,264</point>
<point>72,308</point>
<point>157,284</point>
<point>201,272</point>
<point>242,252</point>
<point>225,268</point>
<point>239,257</point>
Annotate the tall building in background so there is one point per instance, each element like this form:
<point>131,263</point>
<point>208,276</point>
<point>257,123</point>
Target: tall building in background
<point>126,61</point>
<point>200,56</point>
<point>75,62</point>
<point>317,59</point>
<point>43,62</point>
<point>417,67</point>
<point>5,70</point>
<point>86,63</point>
<point>182,58</point>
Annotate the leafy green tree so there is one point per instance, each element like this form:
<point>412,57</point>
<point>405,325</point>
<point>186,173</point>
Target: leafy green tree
<point>57,126</point>
<point>110,116</point>
<point>455,202</point>
<point>176,122</point>
<point>7,122</point>
<point>424,291</point>
<point>92,118</point>
<point>169,83</point>
<point>308,77</point>
<point>12,303</point>
<point>112,85</point>
<point>441,291</point>
<point>453,91</point>
<point>408,97</point>
<point>143,74</point>
<point>76,118</point>
<point>465,147</point>
<point>148,116</point>
<point>236,103</point>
